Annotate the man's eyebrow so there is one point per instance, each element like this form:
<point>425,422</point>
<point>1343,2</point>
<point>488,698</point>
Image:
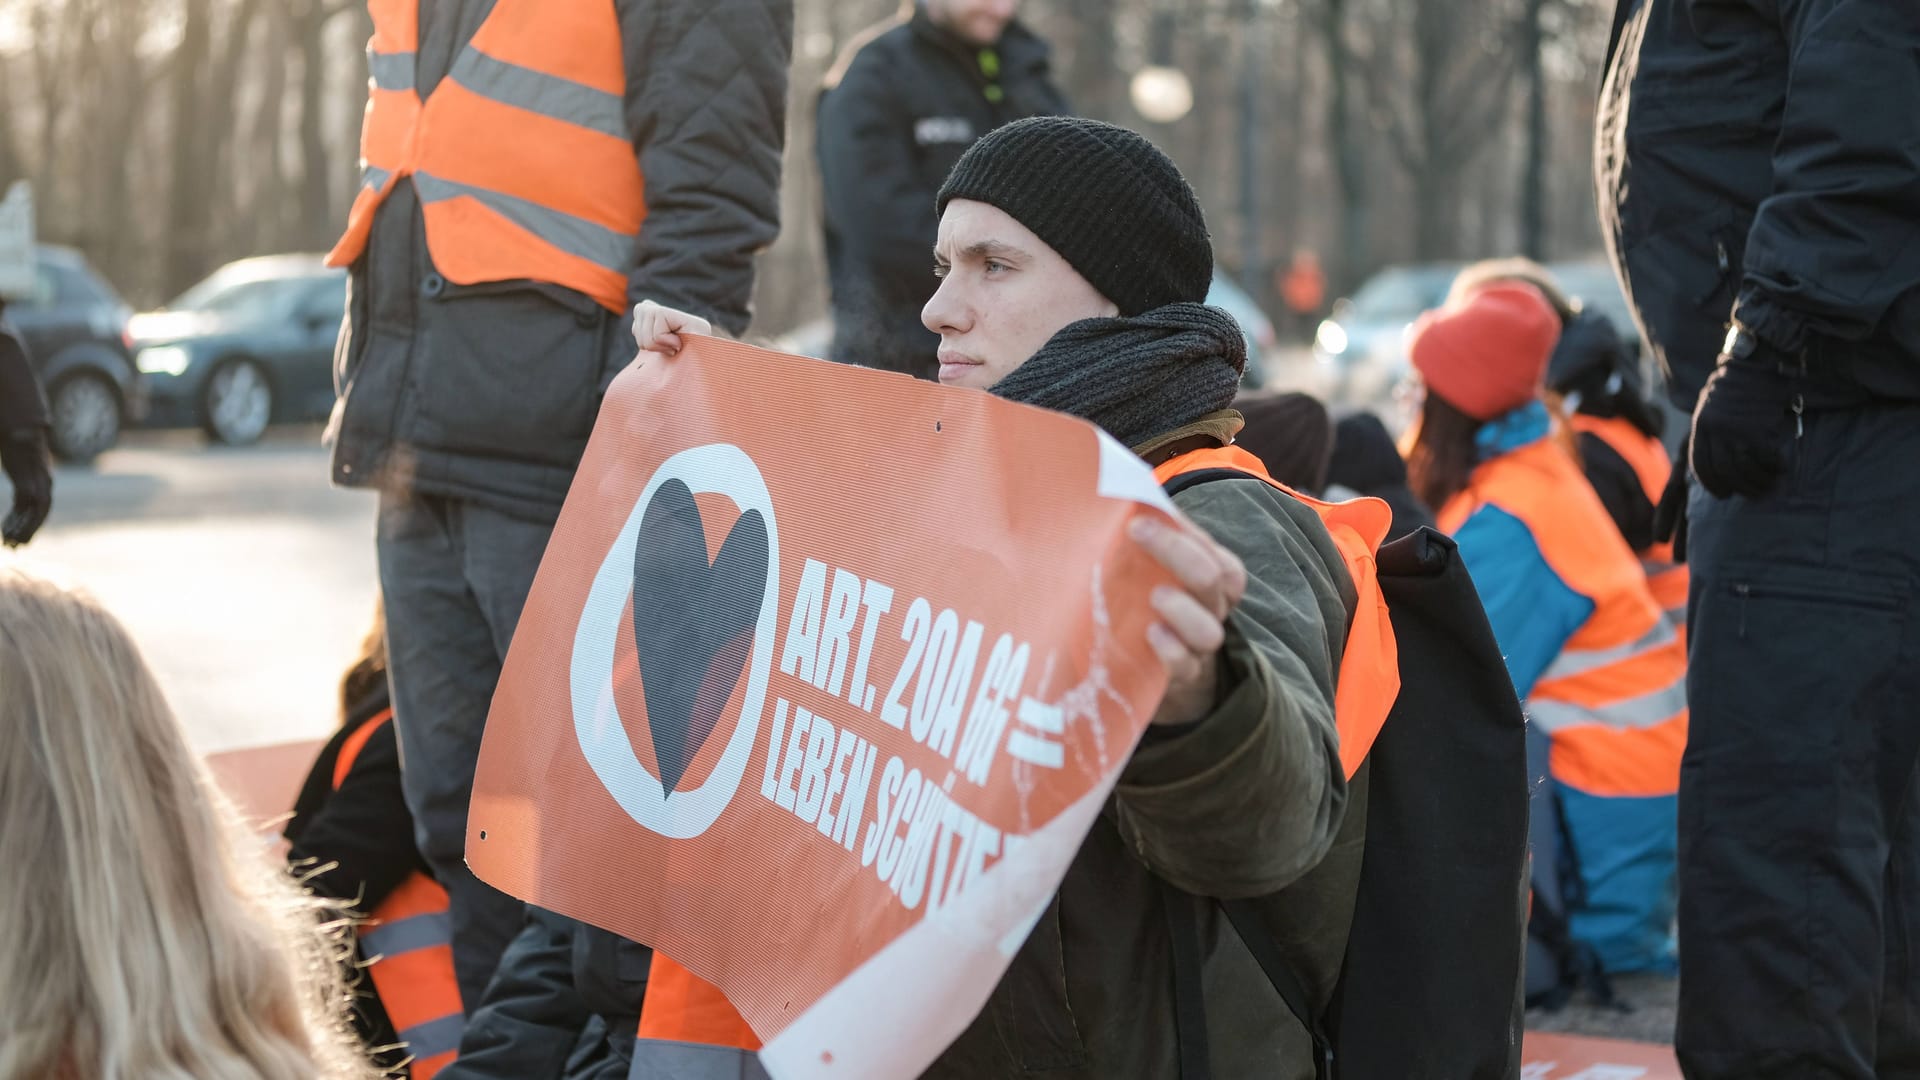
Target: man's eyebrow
<point>990,249</point>
<point>984,249</point>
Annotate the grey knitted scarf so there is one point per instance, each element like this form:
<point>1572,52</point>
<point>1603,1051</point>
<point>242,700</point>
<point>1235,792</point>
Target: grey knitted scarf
<point>1136,377</point>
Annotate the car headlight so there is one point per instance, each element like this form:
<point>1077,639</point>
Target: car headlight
<point>163,360</point>
<point>1331,338</point>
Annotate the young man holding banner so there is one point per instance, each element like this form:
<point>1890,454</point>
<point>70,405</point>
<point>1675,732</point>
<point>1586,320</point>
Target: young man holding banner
<point>1074,260</point>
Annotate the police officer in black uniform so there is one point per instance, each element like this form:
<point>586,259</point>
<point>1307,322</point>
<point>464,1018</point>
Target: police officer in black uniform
<point>904,102</point>
<point>1759,171</point>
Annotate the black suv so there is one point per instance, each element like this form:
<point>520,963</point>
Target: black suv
<point>75,327</point>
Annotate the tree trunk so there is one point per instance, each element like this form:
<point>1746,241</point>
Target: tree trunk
<point>1533,182</point>
<point>188,212</point>
<point>1096,86</point>
<point>1349,150</point>
<point>1252,261</point>
<point>317,174</point>
<point>221,112</point>
<point>360,32</point>
<point>50,57</point>
<point>269,220</point>
<point>110,219</point>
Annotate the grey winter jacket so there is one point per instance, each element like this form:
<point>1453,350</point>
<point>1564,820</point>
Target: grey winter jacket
<point>488,392</point>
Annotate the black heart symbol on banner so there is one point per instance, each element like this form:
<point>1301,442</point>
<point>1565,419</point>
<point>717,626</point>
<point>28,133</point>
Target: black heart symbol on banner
<point>693,621</point>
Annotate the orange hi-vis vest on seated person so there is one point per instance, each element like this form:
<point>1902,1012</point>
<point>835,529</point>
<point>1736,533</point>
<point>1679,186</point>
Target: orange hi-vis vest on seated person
<point>521,155</point>
<point>408,944</point>
<point>1615,700</point>
<point>690,1031</point>
<point>1369,677</point>
<point>1649,461</point>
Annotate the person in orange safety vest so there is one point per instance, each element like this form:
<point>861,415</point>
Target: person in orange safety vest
<point>530,169</point>
<point>352,840</point>
<point>1601,668</point>
<point>1595,383</point>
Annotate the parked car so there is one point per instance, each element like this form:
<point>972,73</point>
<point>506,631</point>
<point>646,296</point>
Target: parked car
<point>813,338</point>
<point>1369,326</point>
<point>249,346</point>
<point>75,328</point>
<point>1362,342</point>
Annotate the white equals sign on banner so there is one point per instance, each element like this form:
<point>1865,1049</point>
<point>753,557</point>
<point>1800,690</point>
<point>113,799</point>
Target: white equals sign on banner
<point>1030,742</point>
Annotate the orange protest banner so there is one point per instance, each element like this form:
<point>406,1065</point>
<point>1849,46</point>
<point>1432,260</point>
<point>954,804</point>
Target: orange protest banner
<point>825,675</point>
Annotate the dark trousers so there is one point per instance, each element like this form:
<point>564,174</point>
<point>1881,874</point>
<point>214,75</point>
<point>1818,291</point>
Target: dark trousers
<point>454,576</point>
<point>1799,853</point>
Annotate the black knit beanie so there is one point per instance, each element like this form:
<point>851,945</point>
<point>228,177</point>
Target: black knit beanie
<point>1105,198</point>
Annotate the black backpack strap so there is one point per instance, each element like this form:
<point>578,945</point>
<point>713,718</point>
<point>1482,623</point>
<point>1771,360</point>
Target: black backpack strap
<point>1189,991</point>
<point>1181,482</point>
<point>1246,921</point>
<point>1190,1018</point>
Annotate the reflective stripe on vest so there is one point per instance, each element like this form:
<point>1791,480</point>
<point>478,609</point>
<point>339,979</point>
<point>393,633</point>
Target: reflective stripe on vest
<point>1648,459</point>
<point>408,945</point>
<point>521,154</point>
<point>690,1031</point>
<point>1369,676</point>
<point>1614,700</point>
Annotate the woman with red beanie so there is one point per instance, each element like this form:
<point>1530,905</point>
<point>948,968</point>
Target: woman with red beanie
<point>1594,657</point>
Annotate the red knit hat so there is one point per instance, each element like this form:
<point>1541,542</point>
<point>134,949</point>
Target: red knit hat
<point>1487,354</point>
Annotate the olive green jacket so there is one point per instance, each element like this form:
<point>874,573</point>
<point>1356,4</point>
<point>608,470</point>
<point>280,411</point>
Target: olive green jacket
<point>1249,802</point>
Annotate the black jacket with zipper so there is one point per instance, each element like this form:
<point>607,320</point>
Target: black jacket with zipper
<point>1760,160</point>
<point>904,102</point>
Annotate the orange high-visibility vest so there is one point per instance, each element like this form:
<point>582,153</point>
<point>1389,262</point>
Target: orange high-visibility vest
<point>409,945</point>
<point>690,1031</point>
<point>521,155</point>
<point>1369,677</point>
<point>1615,700</point>
<point>1649,461</point>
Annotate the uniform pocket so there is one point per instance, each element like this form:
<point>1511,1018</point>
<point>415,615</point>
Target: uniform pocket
<point>1790,663</point>
<point>509,370</point>
<point>1684,278</point>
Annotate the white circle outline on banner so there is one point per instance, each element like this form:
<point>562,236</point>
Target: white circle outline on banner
<point>716,469</point>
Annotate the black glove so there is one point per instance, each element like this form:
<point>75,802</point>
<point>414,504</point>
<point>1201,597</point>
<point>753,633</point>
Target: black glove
<point>1742,427</point>
<point>24,456</point>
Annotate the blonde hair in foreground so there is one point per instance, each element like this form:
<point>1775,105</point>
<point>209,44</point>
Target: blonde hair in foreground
<point>149,937</point>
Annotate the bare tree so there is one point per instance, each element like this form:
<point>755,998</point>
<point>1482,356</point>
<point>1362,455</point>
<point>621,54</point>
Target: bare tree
<point>1533,76</point>
<point>1349,153</point>
<point>1439,75</point>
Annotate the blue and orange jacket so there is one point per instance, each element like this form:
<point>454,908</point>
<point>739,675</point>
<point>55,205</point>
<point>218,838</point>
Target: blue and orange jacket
<point>1601,667</point>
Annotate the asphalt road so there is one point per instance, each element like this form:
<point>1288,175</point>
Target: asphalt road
<point>245,577</point>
